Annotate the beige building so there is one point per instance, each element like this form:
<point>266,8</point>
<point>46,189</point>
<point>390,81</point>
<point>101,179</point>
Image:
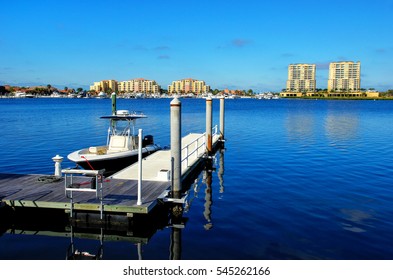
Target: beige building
<point>139,85</point>
<point>343,82</point>
<point>344,77</point>
<point>301,78</point>
<point>188,86</point>
<point>104,86</point>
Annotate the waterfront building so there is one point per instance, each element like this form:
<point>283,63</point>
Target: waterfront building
<point>139,85</point>
<point>344,77</point>
<point>104,86</point>
<point>188,85</point>
<point>301,78</point>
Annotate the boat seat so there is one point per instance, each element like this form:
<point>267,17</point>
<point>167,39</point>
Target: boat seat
<point>97,150</point>
<point>118,143</point>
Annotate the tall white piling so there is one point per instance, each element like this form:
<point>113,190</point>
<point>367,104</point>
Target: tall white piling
<point>176,146</point>
<point>139,201</point>
<point>209,120</point>
<point>222,117</point>
<point>57,159</point>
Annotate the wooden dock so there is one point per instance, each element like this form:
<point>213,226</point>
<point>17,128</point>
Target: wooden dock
<point>119,196</point>
<point>119,191</point>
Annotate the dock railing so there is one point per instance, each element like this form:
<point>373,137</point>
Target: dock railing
<point>196,148</point>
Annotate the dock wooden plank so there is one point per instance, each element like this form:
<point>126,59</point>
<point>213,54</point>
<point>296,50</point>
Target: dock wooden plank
<point>118,195</point>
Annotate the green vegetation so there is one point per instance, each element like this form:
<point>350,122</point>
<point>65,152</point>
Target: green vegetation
<point>3,90</point>
<point>387,94</point>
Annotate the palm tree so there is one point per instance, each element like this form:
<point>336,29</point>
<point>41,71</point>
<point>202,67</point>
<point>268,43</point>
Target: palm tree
<point>49,87</point>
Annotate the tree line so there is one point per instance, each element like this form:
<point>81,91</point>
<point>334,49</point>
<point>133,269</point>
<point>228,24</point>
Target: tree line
<point>38,90</point>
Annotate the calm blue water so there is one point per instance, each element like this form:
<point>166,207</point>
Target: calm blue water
<point>299,179</point>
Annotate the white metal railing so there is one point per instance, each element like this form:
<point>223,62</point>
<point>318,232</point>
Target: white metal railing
<point>215,130</point>
<point>195,146</point>
<point>198,147</point>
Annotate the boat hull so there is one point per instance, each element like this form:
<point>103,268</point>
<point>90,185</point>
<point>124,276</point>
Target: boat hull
<point>110,162</point>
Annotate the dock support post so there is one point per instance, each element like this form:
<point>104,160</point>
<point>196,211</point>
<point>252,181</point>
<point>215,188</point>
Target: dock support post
<point>57,159</point>
<point>209,117</point>
<point>176,147</point>
<point>222,117</point>
<point>113,103</point>
<point>113,122</point>
<point>139,202</point>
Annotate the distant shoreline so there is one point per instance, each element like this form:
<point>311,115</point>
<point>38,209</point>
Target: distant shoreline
<point>338,98</point>
<point>239,97</point>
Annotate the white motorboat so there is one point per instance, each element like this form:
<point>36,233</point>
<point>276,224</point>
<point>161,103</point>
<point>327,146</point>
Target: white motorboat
<point>102,95</point>
<point>121,149</point>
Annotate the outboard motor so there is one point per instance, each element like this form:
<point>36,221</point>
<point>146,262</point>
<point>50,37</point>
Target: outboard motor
<point>147,140</point>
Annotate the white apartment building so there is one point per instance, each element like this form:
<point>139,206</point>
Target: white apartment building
<point>301,78</point>
<point>344,76</point>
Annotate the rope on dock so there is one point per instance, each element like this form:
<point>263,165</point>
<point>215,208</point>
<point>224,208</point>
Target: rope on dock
<point>48,179</point>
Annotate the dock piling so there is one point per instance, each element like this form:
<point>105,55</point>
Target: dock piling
<point>139,201</point>
<point>209,117</point>
<point>222,117</point>
<point>176,147</point>
<point>113,103</point>
<point>114,111</point>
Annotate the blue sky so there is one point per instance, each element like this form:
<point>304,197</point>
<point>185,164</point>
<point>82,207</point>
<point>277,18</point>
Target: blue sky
<point>229,44</point>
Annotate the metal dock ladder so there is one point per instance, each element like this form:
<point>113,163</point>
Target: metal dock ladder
<point>95,185</point>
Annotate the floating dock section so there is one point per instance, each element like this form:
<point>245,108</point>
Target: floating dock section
<point>119,196</point>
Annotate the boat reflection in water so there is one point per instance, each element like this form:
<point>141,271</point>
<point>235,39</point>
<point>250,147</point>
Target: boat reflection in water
<point>86,236</point>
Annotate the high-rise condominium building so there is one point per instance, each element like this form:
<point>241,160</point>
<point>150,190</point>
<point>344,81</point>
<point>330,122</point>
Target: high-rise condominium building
<point>139,85</point>
<point>188,86</point>
<point>344,76</point>
<point>301,78</point>
<point>104,86</point>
